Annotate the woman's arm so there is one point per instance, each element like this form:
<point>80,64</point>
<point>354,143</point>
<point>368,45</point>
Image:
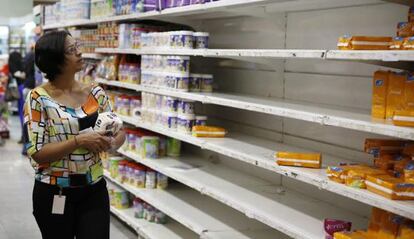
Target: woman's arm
<point>51,152</point>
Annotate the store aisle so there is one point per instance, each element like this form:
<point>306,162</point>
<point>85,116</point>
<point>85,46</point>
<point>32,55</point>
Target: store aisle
<point>16,220</point>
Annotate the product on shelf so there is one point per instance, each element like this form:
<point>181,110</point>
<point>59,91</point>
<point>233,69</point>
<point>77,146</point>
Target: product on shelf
<point>331,226</point>
<point>201,120</point>
<point>395,92</point>
<point>374,146</point>
<point>108,34</point>
<point>67,10</point>
<point>170,64</point>
<point>208,131</point>
<point>390,187</point>
<point>108,68</point>
<point>379,94</point>
<point>101,9</point>
<point>162,181</point>
<point>201,40</point>
<point>397,43</point>
<point>356,177</point>
<point>150,146</point>
<point>129,69</point>
<point>151,179</point>
<point>405,29</point>
<point>408,43</point>
<point>409,172</point>
<point>138,205</point>
<point>120,198</point>
<point>173,147</point>
<point>206,84</point>
<point>384,225</point>
<point>348,42</point>
<point>114,166</point>
<point>185,123</point>
<point>143,210</point>
<point>339,173</point>
<point>308,160</point>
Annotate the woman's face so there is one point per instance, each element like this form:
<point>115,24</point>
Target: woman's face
<point>74,62</point>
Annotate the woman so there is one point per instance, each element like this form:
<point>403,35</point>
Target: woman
<point>67,163</point>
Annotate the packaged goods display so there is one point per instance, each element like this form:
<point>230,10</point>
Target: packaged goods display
<point>108,68</point>
<point>129,69</point>
<point>67,10</point>
<point>348,42</point>
<point>392,175</point>
<point>308,160</point>
<point>175,40</point>
<point>392,97</point>
<point>121,199</point>
<point>382,224</point>
<point>332,226</point>
<point>208,131</point>
<point>107,34</point>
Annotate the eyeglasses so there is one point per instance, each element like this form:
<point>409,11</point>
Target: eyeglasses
<point>73,48</point>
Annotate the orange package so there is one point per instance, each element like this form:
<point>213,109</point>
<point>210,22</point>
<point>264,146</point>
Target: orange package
<point>405,29</point>
<point>390,225</point>
<point>339,173</point>
<point>351,235</point>
<point>395,93</point>
<point>383,146</point>
<point>397,43</point>
<point>356,177</point>
<point>376,220</point>
<point>408,149</point>
<point>403,118</point>
<point>406,231</point>
<point>348,42</point>
<point>390,187</point>
<point>379,94</point>
<point>385,162</point>
<point>307,160</point>
<point>401,163</point>
<point>408,43</point>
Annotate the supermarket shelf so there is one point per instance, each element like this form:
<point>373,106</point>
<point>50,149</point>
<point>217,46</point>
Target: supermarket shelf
<point>322,114</point>
<point>351,55</point>
<point>148,230</point>
<point>259,152</point>
<point>92,56</point>
<point>197,212</point>
<point>252,196</point>
<point>229,7</point>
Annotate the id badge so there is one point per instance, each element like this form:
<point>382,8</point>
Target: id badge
<point>58,206</point>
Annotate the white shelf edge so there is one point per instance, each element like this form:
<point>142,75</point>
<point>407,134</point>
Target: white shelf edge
<point>264,159</point>
<point>283,108</point>
<point>351,55</point>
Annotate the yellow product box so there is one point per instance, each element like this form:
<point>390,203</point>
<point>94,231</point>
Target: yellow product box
<point>379,94</point>
<point>385,162</point>
<point>376,220</point>
<point>390,187</point>
<point>356,177</point>
<point>390,225</point>
<point>405,29</point>
<point>208,131</point>
<point>397,43</point>
<point>395,93</point>
<point>307,160</point>
<point>409,93</point>
<point>339,173</point>
<point>351,235</point>
<point>408,44</point>
<point>383,146</point>
<point>347,42</point>
<point>406,231</point>
<point>403,118</point>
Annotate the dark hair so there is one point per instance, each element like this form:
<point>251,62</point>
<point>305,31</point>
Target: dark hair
<point>50,53</point>
<point>15,62</point>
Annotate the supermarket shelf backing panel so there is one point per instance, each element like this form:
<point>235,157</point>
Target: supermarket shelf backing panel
<point>195,211</point>
<point>254,197</point>
<point>260,152</point>
<point>317,113</point>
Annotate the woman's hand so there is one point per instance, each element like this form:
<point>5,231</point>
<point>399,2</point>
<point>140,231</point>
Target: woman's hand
<point>94,142</point>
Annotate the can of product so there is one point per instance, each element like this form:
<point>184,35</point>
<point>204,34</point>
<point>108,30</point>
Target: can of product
<point>173,147</point>
<point>150,145</point>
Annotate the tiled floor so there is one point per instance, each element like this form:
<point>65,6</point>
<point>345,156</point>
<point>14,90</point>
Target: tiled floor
<point>16,220</point>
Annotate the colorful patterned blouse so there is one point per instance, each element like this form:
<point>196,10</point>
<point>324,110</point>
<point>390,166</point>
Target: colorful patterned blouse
<point>48,122</point>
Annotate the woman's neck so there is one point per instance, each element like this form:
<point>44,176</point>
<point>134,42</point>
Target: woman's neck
<point>64,82</point>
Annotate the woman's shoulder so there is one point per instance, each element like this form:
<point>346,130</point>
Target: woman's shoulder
<point>39,91</point>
